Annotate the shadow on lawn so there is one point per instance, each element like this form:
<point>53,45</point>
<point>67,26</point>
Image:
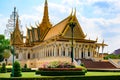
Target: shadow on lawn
<point>69,78</point>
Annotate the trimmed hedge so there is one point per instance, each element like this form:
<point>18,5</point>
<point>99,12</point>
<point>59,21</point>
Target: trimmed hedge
<point>27,70</point>
<point>59,73</point>
<point>23,70</point>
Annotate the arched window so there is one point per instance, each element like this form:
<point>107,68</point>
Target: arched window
<point>57,52</point>
<point>88,53</point>
<point>82,56</point>
<point>16,56</point>
<point>63,53</point>
<point>28,55</point>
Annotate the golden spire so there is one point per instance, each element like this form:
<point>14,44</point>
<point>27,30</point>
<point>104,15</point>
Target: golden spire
<point>74,15</point>
<point>45,16</point>
<point>17,24</point>
<point>17,38</point>
<point>45,2</point>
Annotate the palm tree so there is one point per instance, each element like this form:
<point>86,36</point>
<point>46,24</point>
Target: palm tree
<point>6,54</point>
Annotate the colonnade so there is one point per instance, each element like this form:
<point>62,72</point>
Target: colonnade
<point>80,50</point>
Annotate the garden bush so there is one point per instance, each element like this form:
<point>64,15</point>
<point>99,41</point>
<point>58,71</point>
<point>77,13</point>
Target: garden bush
<point>3,68</point>
<point>25,66</point>
<point>17,70</point>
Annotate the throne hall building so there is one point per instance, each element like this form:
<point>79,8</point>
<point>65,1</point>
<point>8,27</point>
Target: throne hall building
<point>47,40</point>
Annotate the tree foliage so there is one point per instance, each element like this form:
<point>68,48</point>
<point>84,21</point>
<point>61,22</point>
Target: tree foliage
<point>6,54</point>
<point>1,58</point>
<point>4,44</point>
<point>112,56</point>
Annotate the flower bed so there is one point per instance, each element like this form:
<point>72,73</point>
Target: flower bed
<point>58,64</point>
<point>60,69</point>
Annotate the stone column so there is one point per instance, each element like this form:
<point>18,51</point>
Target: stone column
<point>45,52</point>
<point>86,52</point>
<point>52,50</point>
<point>74,52</point>
<point>66,51</point>
<point>59,51</point>
<point>79,53</point>
<point>55,51</point>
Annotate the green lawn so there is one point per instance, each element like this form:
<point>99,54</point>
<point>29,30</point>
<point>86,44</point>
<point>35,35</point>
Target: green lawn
<point>7,66</point>
<point>102,74</point>
<point>32,74</point>
<point>24,74</point>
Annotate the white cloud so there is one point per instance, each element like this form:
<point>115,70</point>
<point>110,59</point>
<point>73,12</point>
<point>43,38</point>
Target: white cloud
<point>91,26</point>
<point>113,43</point>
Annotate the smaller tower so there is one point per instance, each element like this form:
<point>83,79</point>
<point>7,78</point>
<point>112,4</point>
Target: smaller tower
<point>16,38</point>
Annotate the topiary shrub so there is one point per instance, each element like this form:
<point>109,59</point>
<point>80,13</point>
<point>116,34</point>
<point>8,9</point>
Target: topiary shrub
<point>17,70</point>
<point>25,66</point>
<point>82,64</point>
<point>3,68</point>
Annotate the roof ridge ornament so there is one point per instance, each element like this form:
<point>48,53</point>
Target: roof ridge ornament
<point>71,12</point>
<point>96,39</point>
<point>74,12</point>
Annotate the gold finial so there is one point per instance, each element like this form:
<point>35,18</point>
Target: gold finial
<point>86,35</point>
<point>74,12</point>
<point>73,17</point>
<point>45,2</point>
<point>97,39</point>
<point>89,38</point>
<point>26,26</point>
<point>103,41</point>
<point>30,24</point>
<point>71,12</point>
<point>36,24</point>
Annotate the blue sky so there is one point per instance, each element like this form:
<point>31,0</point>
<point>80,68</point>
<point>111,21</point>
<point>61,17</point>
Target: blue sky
<point>98,18</point>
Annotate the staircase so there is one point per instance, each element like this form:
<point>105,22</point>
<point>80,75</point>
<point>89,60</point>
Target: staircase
<point>97,64</point>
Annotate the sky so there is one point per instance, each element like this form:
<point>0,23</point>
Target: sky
<point>98,18</point>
